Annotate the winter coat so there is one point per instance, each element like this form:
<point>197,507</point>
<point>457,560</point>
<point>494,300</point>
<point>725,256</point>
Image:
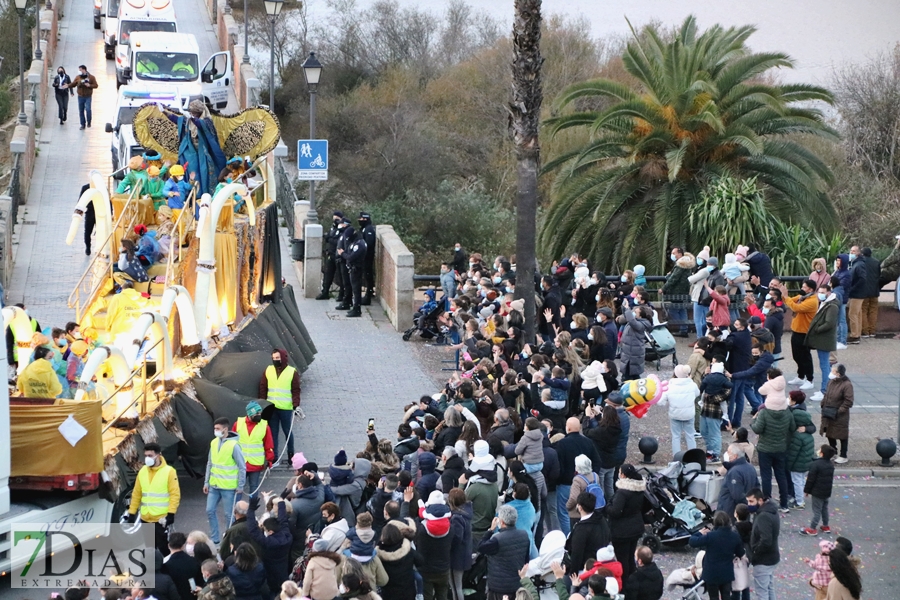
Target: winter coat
<point>739,347</point>
<point>453,468</point>
<point>349,496</point>
<point>622,448</point>
<point>373,569</point>
<point>774,428</point>
<point>335,533</point>
<point>760,266</point>
<point>740,478</point>
<point>481,491</point>
<point>219,587</point>
<point>773,390</point>
<point>801,450</point>
<point>164,586</point>
<point>804,308</point>
<point>579,485</point>
<point>873,275</point>
<point>822,277</point>
<point>407,451</point>
<point>756,373</point>
<point>275,548</point>
<point>525,519</point>
<point>838,394</point>
<point>764,537</point>
<point>697,281</point>
<point>822,334</point>
<point>715,384</point>
<point>248,584</point>
<point>306,513</point>
<point>552,300</point>
<point>427,482</point>
<point>843,275</point>
<point>698,364</point>
<point>507,550</point>
<point>646,583</point>
<point>858,279</point>
<point>568,448</point>
<point>320,581</point>
<point>681,397</point>
<point>633,343</point>
<point>677,283</point>
<point>504,433</point>
<point>606,441</point>
<point>837,591</point>
<point>461,532</point>
<point>445,437</point>
<point>820,478</point>
<point>399,562</point>
<point>612,340</point>
<point>626,509</point>
<point>585,539</point>
<point>722,545</point>
<point>721,317</point>
<point>550,471</point>
<point>531,447</point>
<point>775,323</point>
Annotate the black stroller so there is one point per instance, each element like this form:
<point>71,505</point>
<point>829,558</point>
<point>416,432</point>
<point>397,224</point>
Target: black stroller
<point>425,320</point>
<point>675,515</point>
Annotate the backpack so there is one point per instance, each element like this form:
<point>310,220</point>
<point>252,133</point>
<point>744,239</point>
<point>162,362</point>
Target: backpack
<point>595,489</point>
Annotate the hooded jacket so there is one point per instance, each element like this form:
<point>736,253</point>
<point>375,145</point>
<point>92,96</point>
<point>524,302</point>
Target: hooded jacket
<point>236,454</point>
<point>760,266</point>
<point>740,478</point>
<point>320,581</point>
<point>407,450</point>
<point>822,334</point>
<point>435,547</point>
<point>773,389</point>
<point>349,496</point>
<point>801,450</point>
<point>633,343</point>
<point>820,277</point>
<point>677,283</point>
<point>461,532</point>
<point>481,491</point>
<point>775,323</point>
<point>531,447</point>
<point>681,397</point>
<point>764,536</point>
<point>838,394</point>
<point>843,275</point>
<point>453,468</point>
<point>399,563</point>
<point>173,487</point>
<point>275,548</point>
<point>335,533</point>
<point>858,276</point>
<point>774,425</point>
<point>626,509</point>
<point>427,482</point>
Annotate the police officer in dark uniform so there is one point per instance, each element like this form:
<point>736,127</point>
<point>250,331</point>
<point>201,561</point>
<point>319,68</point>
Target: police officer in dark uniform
<point>355,257</point>
<point>367,233</point>
<point>329,262</point>
<point>343,245</point>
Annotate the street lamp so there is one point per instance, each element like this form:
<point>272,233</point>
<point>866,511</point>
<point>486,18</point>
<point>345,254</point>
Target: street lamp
<point>273,9</point>
<point>312,70</point>
<point>246,59</point>
<point>20,8</point>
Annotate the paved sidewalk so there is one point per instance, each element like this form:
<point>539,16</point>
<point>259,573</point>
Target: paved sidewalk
<point>363,370</point>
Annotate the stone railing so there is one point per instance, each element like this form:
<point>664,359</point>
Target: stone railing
<point>228,32</point>
<point>394,268</point>
<point>23,139</point>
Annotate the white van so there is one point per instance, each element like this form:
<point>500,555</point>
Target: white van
<point>132,16</point>
<point>106,19</point>
<point>131,98</point>
<point>173,59</point>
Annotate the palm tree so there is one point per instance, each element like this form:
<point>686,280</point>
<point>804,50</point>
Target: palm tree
<point>699,111</point>
<point>524,122</point>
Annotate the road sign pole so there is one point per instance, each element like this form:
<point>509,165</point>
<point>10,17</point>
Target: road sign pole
<point>311,215</point>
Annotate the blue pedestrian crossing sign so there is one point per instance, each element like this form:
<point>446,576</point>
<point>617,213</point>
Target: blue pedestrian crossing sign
<point>312,160</point>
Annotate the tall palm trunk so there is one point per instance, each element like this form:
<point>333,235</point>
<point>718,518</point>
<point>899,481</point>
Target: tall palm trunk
<point>524,120</point>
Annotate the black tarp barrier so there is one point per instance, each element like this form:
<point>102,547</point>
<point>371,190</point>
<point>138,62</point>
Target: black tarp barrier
<point>270,262</point>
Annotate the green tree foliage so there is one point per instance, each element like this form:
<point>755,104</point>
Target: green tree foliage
<point>699,110</point>
<point>729,212</point>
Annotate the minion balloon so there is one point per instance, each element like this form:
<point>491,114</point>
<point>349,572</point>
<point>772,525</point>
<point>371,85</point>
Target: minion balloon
<point>641,394</point>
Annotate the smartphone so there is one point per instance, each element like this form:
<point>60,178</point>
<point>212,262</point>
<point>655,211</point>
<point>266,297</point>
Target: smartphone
<point>192,583</point>
<point>371,423</point>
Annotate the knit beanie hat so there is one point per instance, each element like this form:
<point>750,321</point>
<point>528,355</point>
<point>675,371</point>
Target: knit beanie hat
<point>713,261</point>
<point>320,545</point>
<point>704,254</point>
<point>682,371</point>
<point>340,459</point>
<point>615,398</point>
<point>606,554</point>
<point>639,270</point>
<point>253,408</point>
<point>298,461</point>
<point>435,515</point>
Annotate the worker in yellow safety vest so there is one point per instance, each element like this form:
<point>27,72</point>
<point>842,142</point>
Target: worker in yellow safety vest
<point>225,475</point>
<point>157,494</point>
<point>280,385</point>
<point>255,438</point>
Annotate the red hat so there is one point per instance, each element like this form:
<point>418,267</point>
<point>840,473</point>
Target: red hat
<point>140,229</point>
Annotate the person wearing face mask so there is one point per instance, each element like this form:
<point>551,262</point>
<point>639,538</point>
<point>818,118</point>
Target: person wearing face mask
<point>345,298</point>
<point>176,190</point>
<point>677,287</point>
<point>552,302</point>
<point>62,86</point>
<point>460,260</point>
<point>280,386</point>
<point>448,283</point>
<point>819,273</point>
<point>367,234</point>
<point>857,293</point>
<point>697,282</point>
<point>226,472</point>
<point>157,494</point>
<point>740,479</point>
<point>764,543</point>
<point>804,308</point>
<point>822,334</point>
<point>329,262</point>
<point>256,442</point>
<point>85,84</point>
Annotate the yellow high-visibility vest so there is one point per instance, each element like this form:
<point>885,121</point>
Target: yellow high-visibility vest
<point>155,493</point>
<point>223,472</point>
<point>252,442</point>
<point>280,387</point>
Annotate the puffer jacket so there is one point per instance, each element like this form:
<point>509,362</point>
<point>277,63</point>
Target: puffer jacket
<point>399,563</point>
<point>838,394</point>
<point>428,480</point>
<point>531,447</point>
<point>626,509</point>
<point>801,450</point>
<point>407,451</point>
<point>775,429</point>
<point>843,275</point>
<point>677,283</point>
<point>320,582</point>
<point>633,343</point>
<point>349,496</point>
<point>681,396</point>
<point>218,587</point>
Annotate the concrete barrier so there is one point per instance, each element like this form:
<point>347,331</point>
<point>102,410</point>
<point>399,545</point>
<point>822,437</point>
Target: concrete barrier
<point>394,269</point>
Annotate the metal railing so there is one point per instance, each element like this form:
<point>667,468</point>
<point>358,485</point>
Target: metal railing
<point>286,195</point>
<point>181,226</point>
<point>142,371</point>
<point>74,300</point>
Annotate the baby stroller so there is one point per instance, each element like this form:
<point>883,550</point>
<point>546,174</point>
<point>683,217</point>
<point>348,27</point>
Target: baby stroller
<point>675,515</point>
<point>425,320</point>
<point>688,579</point>
<point>660,343</point>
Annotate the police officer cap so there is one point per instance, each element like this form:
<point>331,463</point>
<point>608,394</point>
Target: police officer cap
<point>364,216</point>
<point>337,213</point>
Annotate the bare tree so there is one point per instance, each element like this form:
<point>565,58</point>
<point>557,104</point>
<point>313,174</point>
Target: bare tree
<point>524,121</point>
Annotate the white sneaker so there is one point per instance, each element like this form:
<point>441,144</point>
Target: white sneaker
<point>841,346</point>
<point>841,460</point>
<point>817,397</point>
<point>796,381</point>
<point>807,385</point>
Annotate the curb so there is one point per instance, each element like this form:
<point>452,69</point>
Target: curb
<point>879,472</point>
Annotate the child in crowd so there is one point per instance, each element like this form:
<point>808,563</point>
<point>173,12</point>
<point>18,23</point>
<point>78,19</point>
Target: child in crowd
<point>558,385</point>
<point>733,270</point>
<point>714,389</point>
<point>531,446</point>
<point>742,524</point>
<point>721,317</point>
<point>818,485</point>
<point>773,389</point>
<point>606,559</point>
<point>821,569</point>
<point>360,542</point>
<point>680,396</point>
<point>340,472</point>
<point>801,448</point>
